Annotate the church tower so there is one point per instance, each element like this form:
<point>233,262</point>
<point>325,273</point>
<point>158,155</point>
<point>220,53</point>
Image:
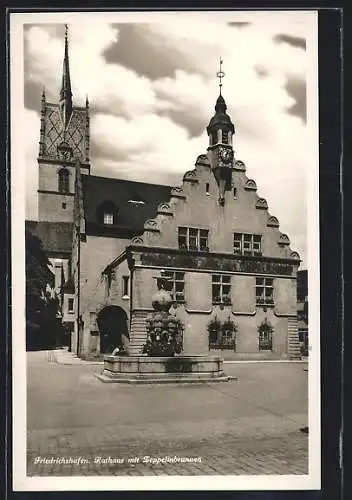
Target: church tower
<point>64,137</point>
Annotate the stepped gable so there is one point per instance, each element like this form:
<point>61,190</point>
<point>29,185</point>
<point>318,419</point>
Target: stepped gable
<point>183,194</point>
<point>135,202</point>
<point>56,237</point>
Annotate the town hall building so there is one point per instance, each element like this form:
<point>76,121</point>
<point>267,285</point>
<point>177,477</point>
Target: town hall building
<point>232,273</point>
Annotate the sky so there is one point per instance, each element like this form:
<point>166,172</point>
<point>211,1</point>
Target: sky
<point>152,89</point>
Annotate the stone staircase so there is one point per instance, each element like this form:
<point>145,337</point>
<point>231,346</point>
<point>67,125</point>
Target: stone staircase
<point>138,333</point>
<point>294,348</point>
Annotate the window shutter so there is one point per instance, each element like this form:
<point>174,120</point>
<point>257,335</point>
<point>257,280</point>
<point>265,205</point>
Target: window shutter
<point>243,294</point>
<point>198,292</point>
<point>285,296</point>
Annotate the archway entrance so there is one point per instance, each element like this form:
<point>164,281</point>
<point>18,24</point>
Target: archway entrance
<point>112,323</point>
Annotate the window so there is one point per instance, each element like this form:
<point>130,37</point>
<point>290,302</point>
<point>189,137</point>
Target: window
<point>213,138</point>
<point>227,339</point>
<point>265,331</point>
<point>221,289</point>
<point>207,188</point>
<point>235,193</point>
<point>247,244</point>
<point>225,137</point>
<point>63,205</point>
<point>264,291</point>
<point>108,218</point>
<point>177,288</point>
<point>136,199</point>
<point>70,305</point>
<point>137,202</point>
<point>107,213</point>
<point>265,340</point>
<point>63,180</point>
<point>125,286</point>
<point>193,239</point>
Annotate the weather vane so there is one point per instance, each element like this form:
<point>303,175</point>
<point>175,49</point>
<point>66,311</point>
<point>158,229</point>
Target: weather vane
<point>66,31</point>
<point>220,74</point>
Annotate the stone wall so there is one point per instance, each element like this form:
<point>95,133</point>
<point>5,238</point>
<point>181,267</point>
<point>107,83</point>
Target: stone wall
<point>199,208</point>
<point>198,309</point>
<point>96,253</point>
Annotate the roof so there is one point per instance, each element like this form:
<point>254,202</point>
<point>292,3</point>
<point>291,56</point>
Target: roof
<point>122,193</point>
<point>220,118</point>
<point>55,236</point>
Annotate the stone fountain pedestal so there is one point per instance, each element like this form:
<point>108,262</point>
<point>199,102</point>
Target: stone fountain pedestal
<point>162,361</point>
<point>163,369</point>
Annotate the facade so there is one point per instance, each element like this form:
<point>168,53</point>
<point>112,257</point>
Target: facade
<point>233,275</point>
<point>302,309</point>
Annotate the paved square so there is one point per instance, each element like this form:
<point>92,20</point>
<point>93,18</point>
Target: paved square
<point>78,425</point>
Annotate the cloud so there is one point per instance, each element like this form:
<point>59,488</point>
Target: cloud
<point>239,24</point>
<point>295,41</point>
<point>113,88</point>
<point>152,91</point>
<point>145,155</point>
<point>148,57</point>
<point>31,129</point>
<point>297,89</point>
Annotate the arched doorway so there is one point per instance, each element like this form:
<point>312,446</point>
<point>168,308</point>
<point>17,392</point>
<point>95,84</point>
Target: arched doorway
<point>112,322</point>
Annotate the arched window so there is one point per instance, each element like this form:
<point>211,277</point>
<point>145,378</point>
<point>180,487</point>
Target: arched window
<point>63,180</point>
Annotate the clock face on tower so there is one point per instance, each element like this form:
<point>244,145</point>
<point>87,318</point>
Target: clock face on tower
<point>226,155</point>
<point>64,151</point>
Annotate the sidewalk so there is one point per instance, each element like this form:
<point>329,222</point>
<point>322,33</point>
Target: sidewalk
<point>64,357</point>
<point>248,427</point>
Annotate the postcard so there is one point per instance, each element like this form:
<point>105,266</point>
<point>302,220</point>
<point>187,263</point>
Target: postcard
<point>165,225</point>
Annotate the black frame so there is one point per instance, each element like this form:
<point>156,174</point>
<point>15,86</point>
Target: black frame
<point>330,138</point>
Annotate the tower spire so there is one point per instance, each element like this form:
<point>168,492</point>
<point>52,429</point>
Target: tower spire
<point>66,93</point>
<point>220,151</point>
<point>220,74</point>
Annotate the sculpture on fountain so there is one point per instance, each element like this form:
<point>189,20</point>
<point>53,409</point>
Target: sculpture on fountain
<point>164,330</point>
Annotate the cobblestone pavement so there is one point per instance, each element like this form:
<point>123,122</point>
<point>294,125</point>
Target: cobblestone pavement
<point>78,425</point>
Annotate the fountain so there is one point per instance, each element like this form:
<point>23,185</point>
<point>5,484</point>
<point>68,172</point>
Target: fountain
<point>161,360</point>
<point>164,330</point>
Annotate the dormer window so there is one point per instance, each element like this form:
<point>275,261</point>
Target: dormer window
<point>107,213</point>
<point>136,202</point>
<point>108,218</point>
<point>135,198</point>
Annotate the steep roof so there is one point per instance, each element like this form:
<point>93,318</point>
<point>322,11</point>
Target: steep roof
<point>135,202</point>
<point>55,236</point>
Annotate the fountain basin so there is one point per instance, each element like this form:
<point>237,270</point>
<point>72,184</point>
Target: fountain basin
<point>159,369</point>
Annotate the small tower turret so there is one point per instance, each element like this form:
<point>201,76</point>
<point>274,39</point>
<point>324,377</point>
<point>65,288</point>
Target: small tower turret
<point>220,131</point>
